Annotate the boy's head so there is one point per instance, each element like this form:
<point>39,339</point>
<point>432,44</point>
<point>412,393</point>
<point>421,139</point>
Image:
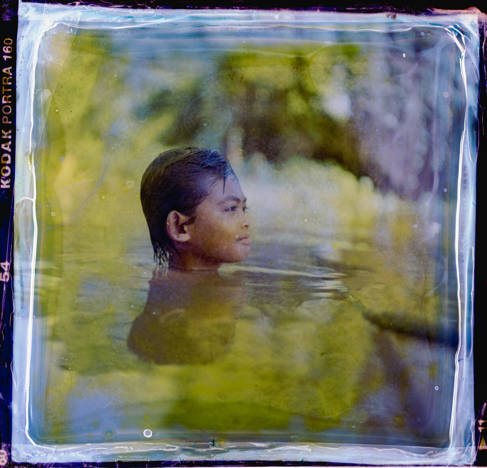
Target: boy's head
<point>195,210</point>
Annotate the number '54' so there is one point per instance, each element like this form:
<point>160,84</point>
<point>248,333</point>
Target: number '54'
<point>5,274</point>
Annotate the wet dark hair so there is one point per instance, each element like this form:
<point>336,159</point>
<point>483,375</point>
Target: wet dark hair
<point>178,179</point>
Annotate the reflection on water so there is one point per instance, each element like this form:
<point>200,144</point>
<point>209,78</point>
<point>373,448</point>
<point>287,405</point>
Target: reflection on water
<point>284,347</point>
<point>189,318</point>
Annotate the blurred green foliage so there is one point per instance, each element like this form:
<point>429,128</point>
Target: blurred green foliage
<point>272,100</point>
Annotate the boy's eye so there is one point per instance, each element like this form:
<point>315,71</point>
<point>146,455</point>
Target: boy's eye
<point>234,208</point>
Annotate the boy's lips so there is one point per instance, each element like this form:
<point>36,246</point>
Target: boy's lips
<point>245,240</point>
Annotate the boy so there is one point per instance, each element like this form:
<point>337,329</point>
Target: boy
<point>195,210</point>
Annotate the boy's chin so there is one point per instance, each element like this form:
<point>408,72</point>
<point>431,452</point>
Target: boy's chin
<point>239,256</point>
<point>242,257</point>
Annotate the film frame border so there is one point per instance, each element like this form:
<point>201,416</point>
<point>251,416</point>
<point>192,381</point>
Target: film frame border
<point>9,27</point>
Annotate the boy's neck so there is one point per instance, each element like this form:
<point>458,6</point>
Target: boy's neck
<point>189,262</point>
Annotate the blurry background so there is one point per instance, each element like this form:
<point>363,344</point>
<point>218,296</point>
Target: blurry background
<point>346,144</point>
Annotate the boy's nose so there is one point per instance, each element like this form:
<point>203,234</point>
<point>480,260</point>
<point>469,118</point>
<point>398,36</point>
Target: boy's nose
<point>245,222</point>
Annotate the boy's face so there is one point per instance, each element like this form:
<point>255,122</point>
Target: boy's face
<point>220,232</point>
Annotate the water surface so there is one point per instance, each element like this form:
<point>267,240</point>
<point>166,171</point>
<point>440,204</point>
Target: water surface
<point>283,347</point>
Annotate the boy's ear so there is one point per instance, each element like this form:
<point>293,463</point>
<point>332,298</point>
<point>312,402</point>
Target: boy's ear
<point>177,226</point>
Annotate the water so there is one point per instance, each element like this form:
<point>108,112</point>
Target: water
<point>283,347</point>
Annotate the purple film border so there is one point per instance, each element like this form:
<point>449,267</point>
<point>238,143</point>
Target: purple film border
<point>480,318</point>
<point>360,6</point>
<point>8,40</point>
